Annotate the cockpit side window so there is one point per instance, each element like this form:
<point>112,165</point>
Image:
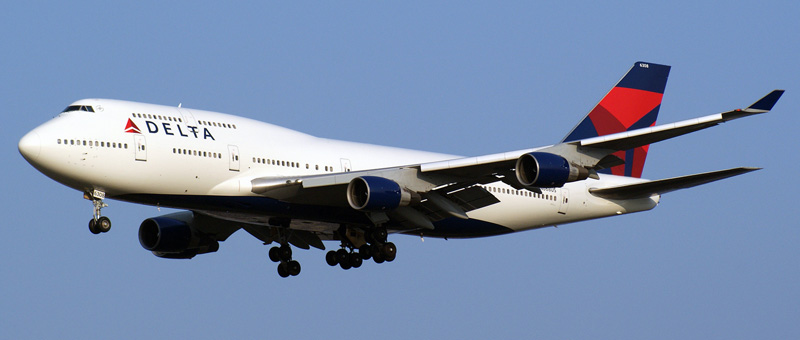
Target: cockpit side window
<point>86,108</point>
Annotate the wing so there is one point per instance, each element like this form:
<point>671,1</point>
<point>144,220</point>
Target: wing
<point>414,196</point>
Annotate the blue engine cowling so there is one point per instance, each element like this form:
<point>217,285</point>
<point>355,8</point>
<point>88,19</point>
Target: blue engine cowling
<point>173,238</point>
<point>372,193</point>
<point>546,170</point>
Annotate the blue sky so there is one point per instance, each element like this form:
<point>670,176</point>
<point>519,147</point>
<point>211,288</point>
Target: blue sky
<point>469,78</point>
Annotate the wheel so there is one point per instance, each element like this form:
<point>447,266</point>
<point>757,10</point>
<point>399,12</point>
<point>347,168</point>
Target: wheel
<point>375,250</point>
<point>285,252</point>
<point>332,258</point>
<point>356,260</point>
<point>345,265</point>
<point>379,234</point>
<point>103,224</point>
<point>293,267</point>
<point>282,271</point>
<point>342,256</point>
<point>378,259</point>
<point>93,227</point>
<point>389,252</point>
<point>364,251</point>
<point>274,254</point>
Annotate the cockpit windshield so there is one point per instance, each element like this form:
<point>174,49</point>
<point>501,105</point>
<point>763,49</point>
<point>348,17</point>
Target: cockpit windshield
<point>86,108</point>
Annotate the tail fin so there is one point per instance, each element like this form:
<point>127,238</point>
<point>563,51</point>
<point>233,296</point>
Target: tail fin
<point>632,104</point>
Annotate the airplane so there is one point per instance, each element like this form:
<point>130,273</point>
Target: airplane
<point>287,188</point>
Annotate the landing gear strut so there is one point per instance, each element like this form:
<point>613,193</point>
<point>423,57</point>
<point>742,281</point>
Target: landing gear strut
<point>98,224</point>
<point>373,245</point>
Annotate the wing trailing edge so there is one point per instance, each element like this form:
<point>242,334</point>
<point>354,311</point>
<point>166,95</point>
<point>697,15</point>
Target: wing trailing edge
<point>658,187</point>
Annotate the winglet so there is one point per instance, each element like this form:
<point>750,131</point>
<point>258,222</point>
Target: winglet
<point>765,104</point>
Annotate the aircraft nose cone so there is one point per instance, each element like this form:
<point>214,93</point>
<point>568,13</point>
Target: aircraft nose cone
<point>30,146</point>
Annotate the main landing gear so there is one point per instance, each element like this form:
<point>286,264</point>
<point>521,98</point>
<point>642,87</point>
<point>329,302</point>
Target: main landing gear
<point>98,224</point>
<point>372,244</point>
<point>283,254</point>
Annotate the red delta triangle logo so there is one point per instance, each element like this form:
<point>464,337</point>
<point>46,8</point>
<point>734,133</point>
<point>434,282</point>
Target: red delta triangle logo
<point>131,127</point>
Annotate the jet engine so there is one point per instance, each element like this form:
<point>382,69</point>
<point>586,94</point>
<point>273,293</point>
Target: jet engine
<point>173,236</point>
<point>546,170</point>
<point>371,193</point>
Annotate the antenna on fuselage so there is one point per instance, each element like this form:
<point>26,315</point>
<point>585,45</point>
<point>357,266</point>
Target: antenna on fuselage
<point>179,104</point>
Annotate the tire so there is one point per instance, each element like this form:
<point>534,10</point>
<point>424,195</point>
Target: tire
<point>293,267</point>
<point>282,270</point>
<point>379,234</point>
<point>389,252</point>
<point>378,258</point>
<point>365,252</point>
<point>103,224</point>
<point>356,260</point>
<point>332,258</point>
<point>93,227</point>
<point>274,254</point>
<point>342,256</point>
<point>345,265</point>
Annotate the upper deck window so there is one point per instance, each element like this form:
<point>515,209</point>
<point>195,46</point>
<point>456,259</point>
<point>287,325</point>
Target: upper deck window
<point>86,108</point>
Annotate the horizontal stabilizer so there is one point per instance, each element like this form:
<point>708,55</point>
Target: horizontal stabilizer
<point>647,189</point>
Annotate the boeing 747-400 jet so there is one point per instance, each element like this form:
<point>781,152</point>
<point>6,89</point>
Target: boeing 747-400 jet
<point>290,188</point>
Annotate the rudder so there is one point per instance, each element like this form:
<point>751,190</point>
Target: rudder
<point>633,103</point>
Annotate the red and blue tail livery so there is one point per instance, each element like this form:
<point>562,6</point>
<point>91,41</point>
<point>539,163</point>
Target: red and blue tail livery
<point>632,104</point>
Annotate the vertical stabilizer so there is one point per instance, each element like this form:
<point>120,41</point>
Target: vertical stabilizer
<point>631,104</point>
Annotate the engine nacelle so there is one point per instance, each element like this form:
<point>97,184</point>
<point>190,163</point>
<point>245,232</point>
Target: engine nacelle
<point>546,170</point>
<point>372,193</point>
<point>173,237</point>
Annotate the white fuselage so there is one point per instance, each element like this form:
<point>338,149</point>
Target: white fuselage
<point>172,152</point>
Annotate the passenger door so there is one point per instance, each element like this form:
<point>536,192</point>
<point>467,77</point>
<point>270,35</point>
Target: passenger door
<point>141,147</point>
<point>233,158</point>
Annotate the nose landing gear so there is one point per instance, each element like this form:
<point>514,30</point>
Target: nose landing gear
<point>98,224</point>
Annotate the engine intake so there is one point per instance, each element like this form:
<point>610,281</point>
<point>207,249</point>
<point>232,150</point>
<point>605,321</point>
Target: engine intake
<point>372,193</point>
<point>173,238</point>
<point>546,170</point>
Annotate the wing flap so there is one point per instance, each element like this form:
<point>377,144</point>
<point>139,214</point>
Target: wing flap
<point>658,187</point>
